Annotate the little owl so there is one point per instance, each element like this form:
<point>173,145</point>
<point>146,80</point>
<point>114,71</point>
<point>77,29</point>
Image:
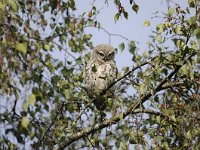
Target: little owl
<point>99,73</point>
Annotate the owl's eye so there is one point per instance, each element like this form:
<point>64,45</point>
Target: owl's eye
<point>101,54</point>
<point>110,55</point>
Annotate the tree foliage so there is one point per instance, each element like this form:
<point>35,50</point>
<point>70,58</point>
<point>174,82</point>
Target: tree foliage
<point>43,49</point>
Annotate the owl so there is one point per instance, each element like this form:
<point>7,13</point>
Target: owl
<point>99,73</point>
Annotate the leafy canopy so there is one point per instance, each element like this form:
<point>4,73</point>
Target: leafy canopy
<point>43,49</point>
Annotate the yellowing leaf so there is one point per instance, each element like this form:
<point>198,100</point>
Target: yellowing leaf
<point>32,99</point>
<point>121,116</point>
<point>177,29</point>
<point>47,47</point>
<point>22,47</point>
<point>146,23</point>
<point>167,24</point>
<point>170,11</point>
<point>24,122</point>
<point>159,38</point>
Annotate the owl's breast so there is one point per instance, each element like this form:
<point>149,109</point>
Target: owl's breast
<point>104,75</point>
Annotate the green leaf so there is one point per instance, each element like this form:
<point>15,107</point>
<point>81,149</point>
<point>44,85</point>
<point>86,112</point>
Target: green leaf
<point>160,28</point>
<point>192,20</point>
<point>24,122</point>
<point>125,69</point>
<point>117,2</point>
<point>67,93</point>
<point>173,118</point>
<point>125,14</point>
<point>196,32</point>
<point>159,138</point>
<point>135,7</point>
<point>123,146</point>
<point>31,99</point>
<point>132,139</point>
<point>191,3</point>
<point>87,36</point>
<point>177,29</point>
<point>121,47</point>
<point>116,17</point>
<point>151,132</point>
<point>158,119</point>
<point>145,54</point>
<point>146,23</point>
<point>132,47</point>
<point>2,6</point>
<point>189,135</point>
<point>193,44</point>
<point>22,47</point>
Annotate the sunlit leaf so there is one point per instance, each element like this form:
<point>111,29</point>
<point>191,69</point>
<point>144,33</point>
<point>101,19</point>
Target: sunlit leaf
<point>22,47</point>
<point>170,11</point>
<point>31,99</point>
<point>159,38</point>
<point>146,23</point>
<point>67,93</point>
<point>24,122</point>
<point>47,47</point>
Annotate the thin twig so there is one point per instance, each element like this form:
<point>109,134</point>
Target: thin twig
<point>54,120</point>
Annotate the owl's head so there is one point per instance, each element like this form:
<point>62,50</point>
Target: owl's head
<point>103,53</point>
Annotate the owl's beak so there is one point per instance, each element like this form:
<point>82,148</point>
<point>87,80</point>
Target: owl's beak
<point>105,58</point>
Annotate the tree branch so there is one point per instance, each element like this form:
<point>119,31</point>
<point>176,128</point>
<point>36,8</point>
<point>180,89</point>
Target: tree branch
<point>49,127</point>
<point>127,74</point>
